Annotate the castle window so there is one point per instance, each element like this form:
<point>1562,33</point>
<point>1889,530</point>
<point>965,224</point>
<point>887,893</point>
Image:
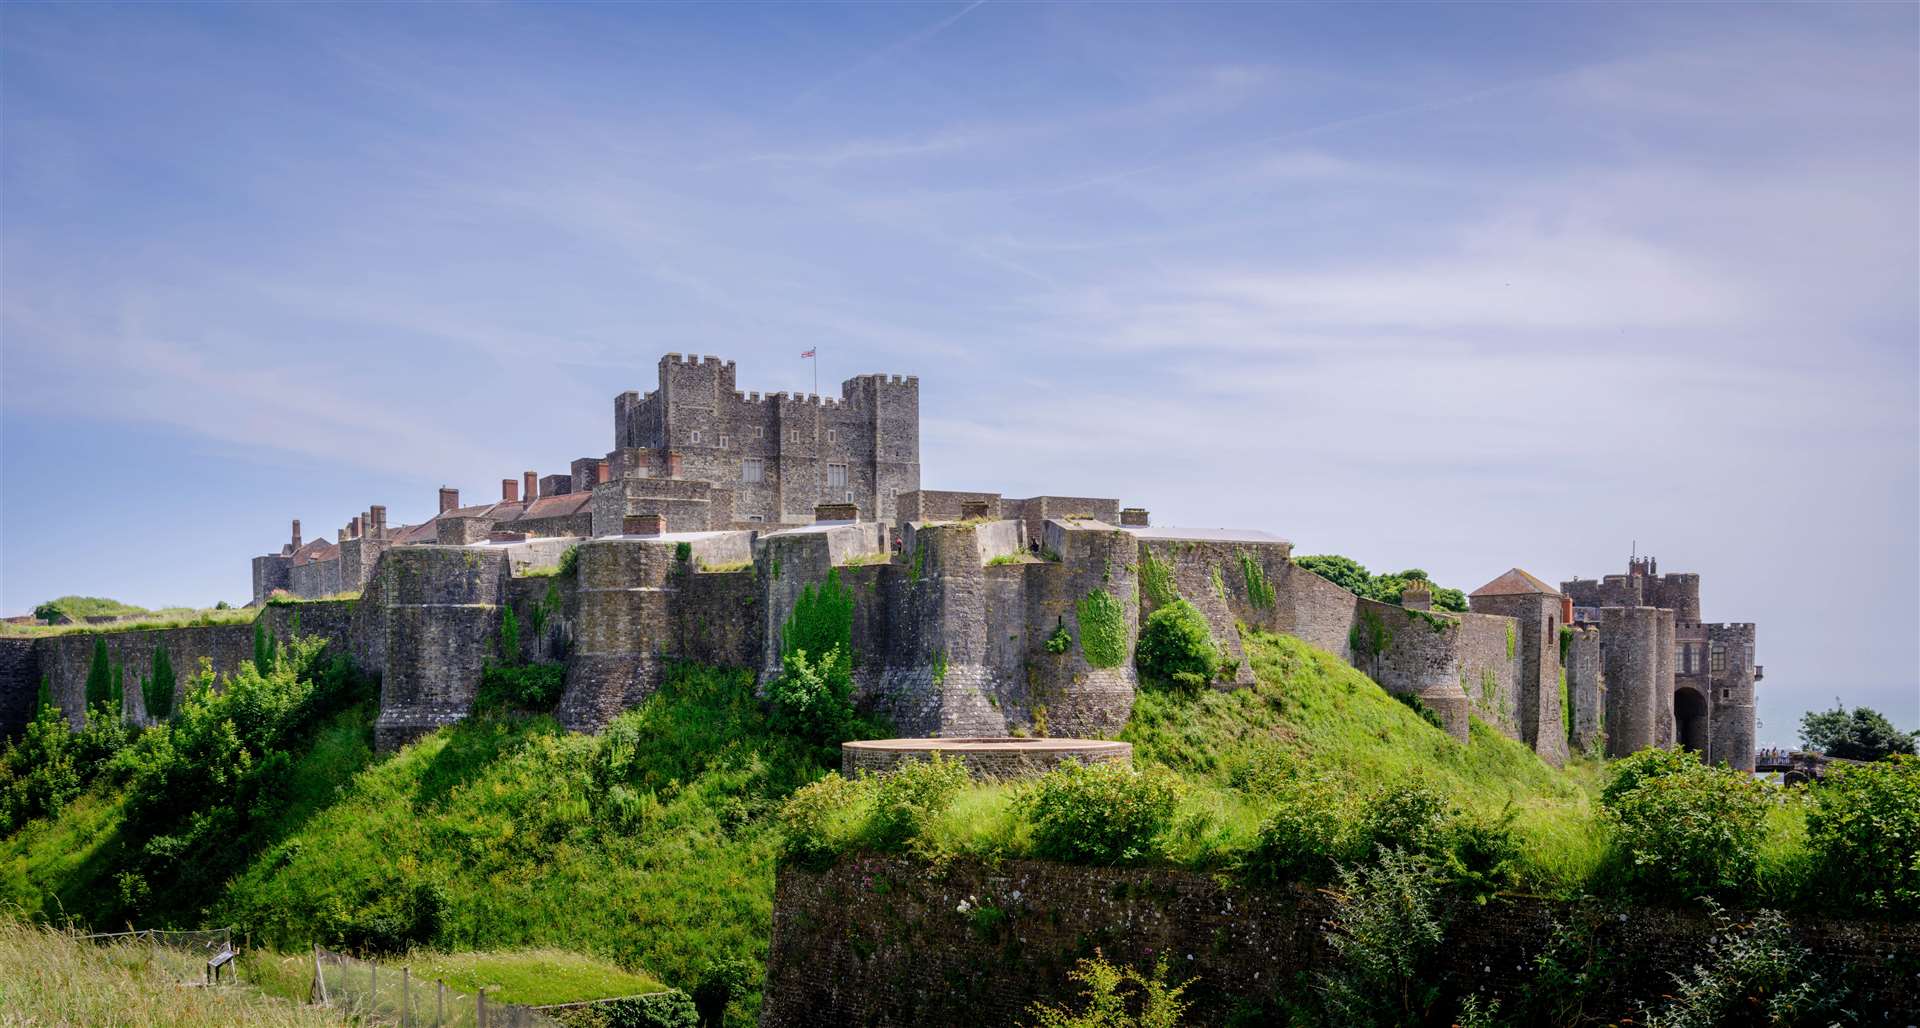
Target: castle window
<point>836,476</point>
<point>759,431</point>
<point>752,470</point>
<point>695,439</point>
<point>723,442</point>
<point>1719,658</point>
<point>833,435</point>
<point>756,517</point>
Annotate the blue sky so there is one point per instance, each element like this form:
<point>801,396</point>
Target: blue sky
<point>1456,287</point>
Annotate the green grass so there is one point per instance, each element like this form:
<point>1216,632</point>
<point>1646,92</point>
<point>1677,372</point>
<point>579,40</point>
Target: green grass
<point>172,617</point>
<point>532,977</point>
<point>1309,710</point>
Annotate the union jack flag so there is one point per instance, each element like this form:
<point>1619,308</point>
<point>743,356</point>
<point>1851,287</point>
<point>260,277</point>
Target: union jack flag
<point>808,353</point>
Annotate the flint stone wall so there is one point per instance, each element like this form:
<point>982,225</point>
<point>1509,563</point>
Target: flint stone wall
<point>1000,759</point>
<point>19,685</point>
<point>883,941</point>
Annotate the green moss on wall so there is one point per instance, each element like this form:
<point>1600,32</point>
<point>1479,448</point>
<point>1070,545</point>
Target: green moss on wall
<point>1103,629</point>
<point>1511,639</point>
<point>1369,636</point>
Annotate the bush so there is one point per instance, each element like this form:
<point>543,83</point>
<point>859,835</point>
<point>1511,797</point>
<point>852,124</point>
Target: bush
<point>1307,837</point>
<point>1386,928</point>
<point>1103,629</point>
<point>670,1009</point>
<point>157,689</point>
<point>1751,974</point>
<point>1099,813</point>
<point>812,816</point>
<point>813,699</point>
<point>99,690</point>
<point>720,982</point>
<point>570,560</point>
<point>535,687</point>
<point>1176,648</point>
<point>509,641</point>
<point>908,798</point>
<point>1864,831</point>
<point>1117,997</point>
<point>1681,829</point>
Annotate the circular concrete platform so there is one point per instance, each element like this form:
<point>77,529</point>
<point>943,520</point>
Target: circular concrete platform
<point>985,757</point>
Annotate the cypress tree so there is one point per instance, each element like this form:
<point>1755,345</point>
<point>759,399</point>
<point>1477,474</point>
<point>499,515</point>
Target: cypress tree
<point>157,689</point>
<point>262,649</point>
<point>117,689</point>
<point>45,699</point>
<point>99,675</point>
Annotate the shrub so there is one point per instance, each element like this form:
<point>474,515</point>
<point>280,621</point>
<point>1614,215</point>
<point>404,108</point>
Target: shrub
<point>720,982</point>
<point>1864,831</point>
<point>811,817</point>
<point>535,687</point>
<point>1117,997</point>
<point>1682,829</point>
<point>1061,640</point>
<point>508,643</point>
<point>38,774</point>
<point>1307,837</point>
<point>570,560</point>
<point>908,798</point>
<point>1156,580</point>
<point>1386,927</point>
<point>813,699</point>
<point>670,1009</point>
<point>1176,648</point>
<point>1751,974</point>
<point>263,649</point>
<point>1099,813</point>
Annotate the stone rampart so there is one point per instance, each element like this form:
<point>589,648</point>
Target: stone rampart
<point>19,685</point>
<point>1585,689</point>
<point>1490,670</point>
<point>434,615</point>
<point>881,941</point>
<point>991,758</point>
<point>64,660</point>
<point>1638,695</point>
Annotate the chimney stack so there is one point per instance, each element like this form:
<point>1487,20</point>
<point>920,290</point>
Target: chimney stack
<point>1416,595</point>
<point>673,465</point>
<point>340,536</point>
<point>379,512</point>
<point>643,524</point>
<point>1135,516</point>
<point>530,484</point>
<point>509,491</point>
<point>449,499</point>
<point>353,527</point>
<point>600,471</point>
<point>296,533</point>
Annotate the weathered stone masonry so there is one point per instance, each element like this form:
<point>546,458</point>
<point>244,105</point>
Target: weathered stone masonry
<point>875,942</point>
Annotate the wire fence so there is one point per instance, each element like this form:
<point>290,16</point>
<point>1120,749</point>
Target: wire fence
<point>394,996</point>
<point>189,957</point>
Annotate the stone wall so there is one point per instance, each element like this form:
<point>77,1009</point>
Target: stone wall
<point>434,613</point>
<point>1638,696</point>
<point>879,941</point>
<point>1586,689</point>
<point>716,619</point>
<point>1536,619</point>
<point>998,758</point>
<point>19,685</point>
<point>1490,670</point>
<point>1732,699</point>
<point>64,660</point>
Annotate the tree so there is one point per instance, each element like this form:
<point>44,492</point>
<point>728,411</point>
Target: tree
<point>99,675</point>
<point>49,612</point>
<point>263,646</point>
<point>157,689</point>
<point>1860,734</point>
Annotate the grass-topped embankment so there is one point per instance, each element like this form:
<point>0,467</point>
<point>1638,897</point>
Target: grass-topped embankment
<point>48,977</point>
<point>527,977</point>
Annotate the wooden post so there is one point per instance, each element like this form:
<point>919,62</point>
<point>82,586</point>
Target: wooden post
<point>406,997</point>
<point>480,1008</point>
<point>319,978</point>
<point>439,1004</point>
<point>373,987</point>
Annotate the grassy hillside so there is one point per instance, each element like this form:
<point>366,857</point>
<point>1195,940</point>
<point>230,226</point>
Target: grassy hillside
<point>49,978</point>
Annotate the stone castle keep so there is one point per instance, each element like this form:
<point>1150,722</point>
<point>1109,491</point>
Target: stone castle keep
<point>698,531</point>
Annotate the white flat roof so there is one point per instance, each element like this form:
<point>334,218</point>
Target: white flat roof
<point>1220,535</point>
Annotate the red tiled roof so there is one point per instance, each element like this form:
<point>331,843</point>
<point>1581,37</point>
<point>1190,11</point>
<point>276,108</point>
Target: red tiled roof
<point>1515,583</point>
<point>319,549</point>
<point>556,506</point>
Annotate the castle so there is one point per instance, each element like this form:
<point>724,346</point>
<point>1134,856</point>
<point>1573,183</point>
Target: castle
<point>974,614</point>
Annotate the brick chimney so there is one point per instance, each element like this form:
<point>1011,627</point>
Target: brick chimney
<point>673,465</point>
<point>600,472</point>
<point>296,533</point>
<point>340,536</point>
<point>509,491</point>
<point>643,524</point>
<point>1566,610</point>
<point>1416,595</point>
<point>530,484</point>
<point>1134,516</point>
<point>449,499</point>
<point>353,527</point>
<point>379,512</point>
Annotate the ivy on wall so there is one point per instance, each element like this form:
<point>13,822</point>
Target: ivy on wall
<point>1510,641</point>
<point>1156,580</point>
<point>822,620</point>
<point>1103,629</point>
<point>1369,636</point>
<point>1259,590</point>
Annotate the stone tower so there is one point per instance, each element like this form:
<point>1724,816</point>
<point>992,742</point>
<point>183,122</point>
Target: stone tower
<point>1537,608</point>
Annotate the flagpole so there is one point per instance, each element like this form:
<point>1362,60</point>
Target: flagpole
<point>816,371</point>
